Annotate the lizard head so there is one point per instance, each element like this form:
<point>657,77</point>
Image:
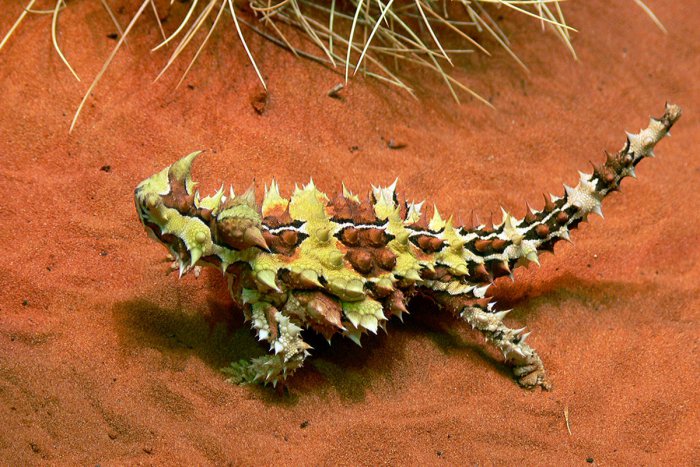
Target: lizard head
<point>167,207</point>
<point>173,213</point>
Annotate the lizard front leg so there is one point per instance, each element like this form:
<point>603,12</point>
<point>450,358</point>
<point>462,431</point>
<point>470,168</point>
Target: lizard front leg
<point>527,365</point>
<point>288,349</point>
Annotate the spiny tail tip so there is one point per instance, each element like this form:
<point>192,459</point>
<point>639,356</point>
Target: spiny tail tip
<point>672,112</point>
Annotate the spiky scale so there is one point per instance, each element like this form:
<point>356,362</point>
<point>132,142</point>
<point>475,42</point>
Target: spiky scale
<point>364,314</point>
<point>289,237</point>
<point>348,194</point>
<point>273,202</point>
<point>344,267</point>
<point>309,278</point>
<point>436,223</point>
<point>351,236</point>
<point>384,286</point>
<point>266,278</point>
<point>413,213</point>
<point>386,259</point>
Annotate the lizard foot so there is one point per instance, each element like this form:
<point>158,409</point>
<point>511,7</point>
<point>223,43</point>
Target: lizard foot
<point>527,365</point>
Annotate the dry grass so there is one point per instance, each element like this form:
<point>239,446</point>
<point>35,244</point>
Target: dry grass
<point>374,37</point>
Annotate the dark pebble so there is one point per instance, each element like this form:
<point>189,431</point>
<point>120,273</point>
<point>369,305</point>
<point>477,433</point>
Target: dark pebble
<point>259,102</point>
<point>392,144</point>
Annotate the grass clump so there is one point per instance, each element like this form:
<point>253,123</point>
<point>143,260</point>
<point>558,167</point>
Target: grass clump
<point>373,37</point>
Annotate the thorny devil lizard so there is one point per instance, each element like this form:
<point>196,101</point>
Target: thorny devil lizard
<point>343,266</point>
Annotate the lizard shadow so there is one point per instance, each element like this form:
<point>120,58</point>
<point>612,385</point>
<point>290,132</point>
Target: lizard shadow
<point>527,301</point>
<point>216,338</point>
<point>219,336</point>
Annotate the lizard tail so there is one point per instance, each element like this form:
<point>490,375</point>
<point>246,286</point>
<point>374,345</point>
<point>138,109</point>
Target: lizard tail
<point>516,242</point>
<point>562,214</point>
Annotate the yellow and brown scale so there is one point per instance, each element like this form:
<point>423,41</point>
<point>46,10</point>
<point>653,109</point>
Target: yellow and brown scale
<point>345,267</point>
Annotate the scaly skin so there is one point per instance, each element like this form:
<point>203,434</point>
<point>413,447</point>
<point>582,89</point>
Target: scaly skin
<point>343,267</point>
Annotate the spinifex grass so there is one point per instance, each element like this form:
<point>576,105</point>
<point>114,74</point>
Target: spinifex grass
<point>374,37</point>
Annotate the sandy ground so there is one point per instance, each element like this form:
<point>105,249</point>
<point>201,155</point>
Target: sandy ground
<point>105,359</point>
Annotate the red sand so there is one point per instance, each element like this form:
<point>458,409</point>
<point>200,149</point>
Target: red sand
<point>105,359</point>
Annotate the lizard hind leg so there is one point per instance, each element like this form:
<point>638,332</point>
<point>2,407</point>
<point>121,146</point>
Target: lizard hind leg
<point>527,365</point>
